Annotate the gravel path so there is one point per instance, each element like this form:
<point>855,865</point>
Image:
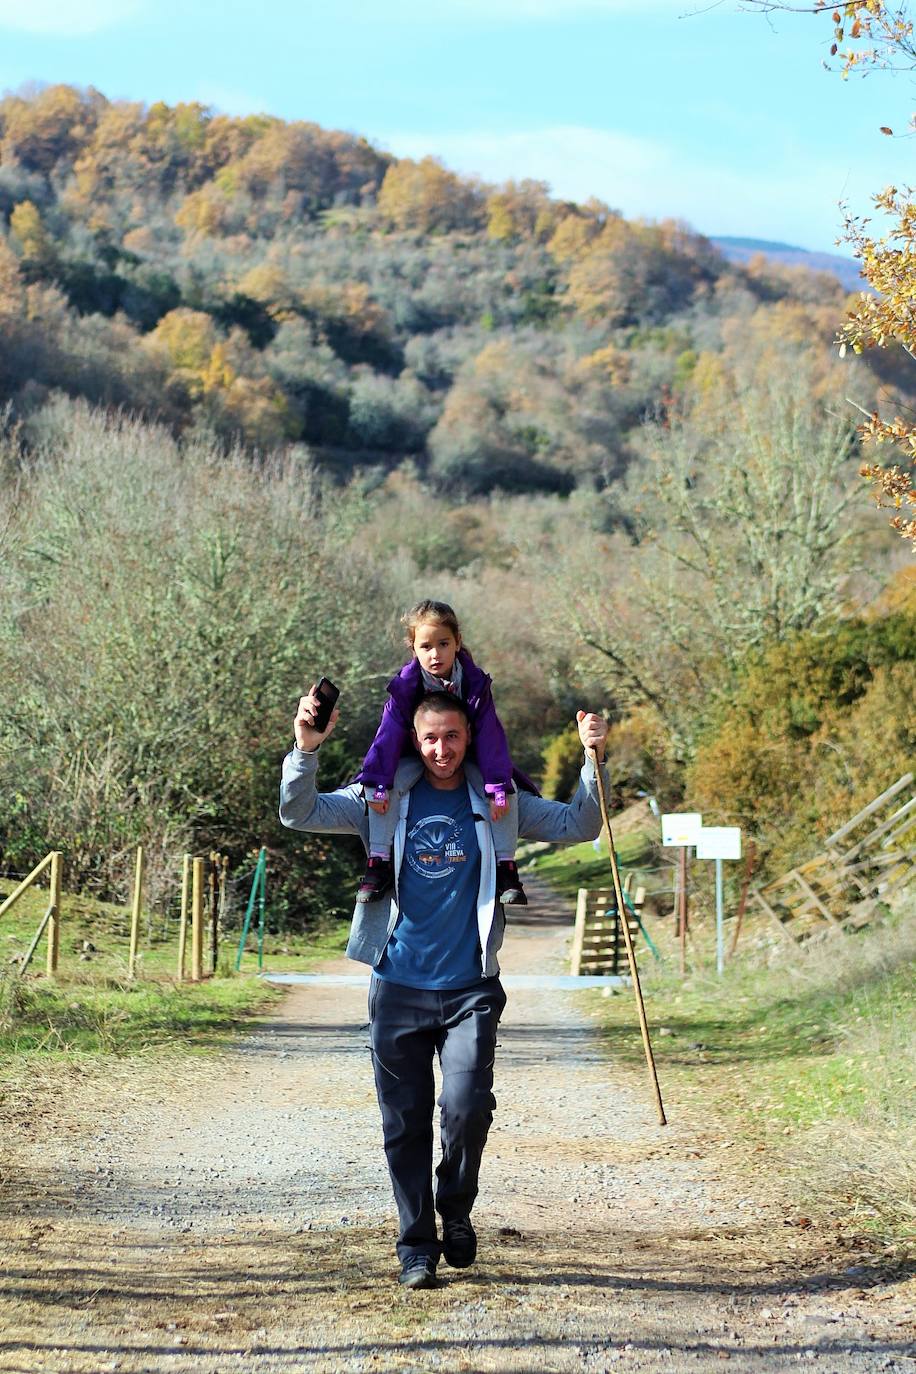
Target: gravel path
<point>241,1218</point>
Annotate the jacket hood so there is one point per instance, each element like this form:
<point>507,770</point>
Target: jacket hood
<point>406,687</point>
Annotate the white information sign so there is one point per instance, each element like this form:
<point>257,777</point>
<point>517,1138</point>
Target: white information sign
<point>681,827</point>
<point>719,842</point>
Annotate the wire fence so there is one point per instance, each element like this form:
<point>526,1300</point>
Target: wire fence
<point>203,901</point>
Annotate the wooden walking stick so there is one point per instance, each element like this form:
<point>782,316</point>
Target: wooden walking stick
<point>628,940</point>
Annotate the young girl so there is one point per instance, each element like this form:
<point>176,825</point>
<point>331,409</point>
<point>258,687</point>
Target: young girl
<point>439,664</point>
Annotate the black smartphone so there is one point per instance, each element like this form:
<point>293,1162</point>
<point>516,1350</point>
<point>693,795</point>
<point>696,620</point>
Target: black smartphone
<point>327,699</point>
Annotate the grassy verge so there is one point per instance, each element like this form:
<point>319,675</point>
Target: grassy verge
<point>807,1055</point>
<point>301,954</point>
<point>581,865</point>
<point>98,1015</point>
<point>93,1009</point>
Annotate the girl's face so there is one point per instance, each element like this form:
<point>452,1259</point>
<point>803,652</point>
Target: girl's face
<point>436,646</point>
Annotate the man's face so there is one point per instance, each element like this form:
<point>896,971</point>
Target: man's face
<point>442,739</point>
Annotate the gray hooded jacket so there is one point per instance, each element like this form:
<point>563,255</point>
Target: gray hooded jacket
<point>344,812</point>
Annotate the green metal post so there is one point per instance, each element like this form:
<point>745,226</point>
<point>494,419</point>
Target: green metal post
<point>645,934</point>
<point>249,911</point>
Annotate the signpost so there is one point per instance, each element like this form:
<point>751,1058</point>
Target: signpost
<point>680,829</point>
<point>719,842</point>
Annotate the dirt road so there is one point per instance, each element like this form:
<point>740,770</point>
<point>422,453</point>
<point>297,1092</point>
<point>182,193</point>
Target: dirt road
<point>240,1218</point>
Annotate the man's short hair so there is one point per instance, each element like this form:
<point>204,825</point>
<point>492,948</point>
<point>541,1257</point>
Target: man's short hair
<point>438,703</point>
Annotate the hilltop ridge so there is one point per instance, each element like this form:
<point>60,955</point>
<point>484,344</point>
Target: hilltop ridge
<point>744,250</point>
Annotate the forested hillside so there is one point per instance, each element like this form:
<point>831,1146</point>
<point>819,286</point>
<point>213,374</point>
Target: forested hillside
<point>278,282</point>
<point>265,385</point>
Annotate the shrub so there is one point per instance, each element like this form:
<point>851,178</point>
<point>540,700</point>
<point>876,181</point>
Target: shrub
<point>562,762</point>
<point>162,608</point>
<point>822,723</point>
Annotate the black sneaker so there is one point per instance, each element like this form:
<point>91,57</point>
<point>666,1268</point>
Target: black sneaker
<point>459,1242</point>
<point>509,890</point>
<point>418,1271</point>
<point>376,881</point>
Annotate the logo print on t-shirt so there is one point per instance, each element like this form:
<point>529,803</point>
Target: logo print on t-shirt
<point>434,847</point>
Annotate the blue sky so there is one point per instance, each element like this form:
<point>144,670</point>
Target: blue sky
<point>660,107</point>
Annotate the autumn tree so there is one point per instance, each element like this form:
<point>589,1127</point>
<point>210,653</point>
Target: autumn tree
<point>12,288</point>
<point>38,129</point>
<point>633,272</point>
<point>189,339</point>
<point>428,197</point>
<point>870,35</point>
<point>310,165</point>
<point>224,377</point>
<point>153,151</point>
<point>522,209</point>
<point>577,227</point>
<point>241,275</point>
<point>111,157</point>
<point>30,235</point>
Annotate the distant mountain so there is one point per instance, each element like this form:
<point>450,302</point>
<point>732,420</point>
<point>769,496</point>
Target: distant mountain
<point>742,250</point>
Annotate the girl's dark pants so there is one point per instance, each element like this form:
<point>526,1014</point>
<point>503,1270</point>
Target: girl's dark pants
<point>408,1026</point>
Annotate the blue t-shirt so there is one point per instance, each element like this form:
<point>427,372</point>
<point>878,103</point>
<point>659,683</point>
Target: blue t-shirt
<point>435,942</point>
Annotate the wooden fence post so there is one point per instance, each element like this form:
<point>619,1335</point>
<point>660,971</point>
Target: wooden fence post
<point>575,958</point>
<point>183,922</point>
<point>135,914</point>
<point>55,899</point>
<point>197,920</point>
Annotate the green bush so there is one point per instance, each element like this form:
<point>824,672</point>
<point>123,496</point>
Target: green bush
<point>562,762</point>
<point>822,724</point>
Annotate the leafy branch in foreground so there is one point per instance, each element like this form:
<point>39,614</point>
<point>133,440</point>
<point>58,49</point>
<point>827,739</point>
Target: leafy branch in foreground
<point>879,36</point>
<point>889,265</point>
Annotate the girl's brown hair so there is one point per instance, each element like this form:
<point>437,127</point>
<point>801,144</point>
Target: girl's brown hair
<point>429,613</point>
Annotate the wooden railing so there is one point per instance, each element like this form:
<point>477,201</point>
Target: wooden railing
<point>51,918</point>
<point>862,865</point>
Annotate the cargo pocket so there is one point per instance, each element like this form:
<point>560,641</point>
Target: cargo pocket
<point>373,996</point>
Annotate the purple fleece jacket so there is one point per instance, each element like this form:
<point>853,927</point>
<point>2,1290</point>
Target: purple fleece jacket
<point>394,734</point>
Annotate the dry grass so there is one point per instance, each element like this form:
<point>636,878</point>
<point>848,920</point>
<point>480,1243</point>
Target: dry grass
<point>868,1167</point>
<point>811,1052</point>
<point>326,1301</point>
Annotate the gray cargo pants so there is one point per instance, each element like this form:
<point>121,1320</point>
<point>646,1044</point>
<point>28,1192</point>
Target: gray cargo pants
<point>408,1026</point>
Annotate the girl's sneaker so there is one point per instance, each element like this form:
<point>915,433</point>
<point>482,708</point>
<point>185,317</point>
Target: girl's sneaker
<point>509,890</point>
<point>377,879</point>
